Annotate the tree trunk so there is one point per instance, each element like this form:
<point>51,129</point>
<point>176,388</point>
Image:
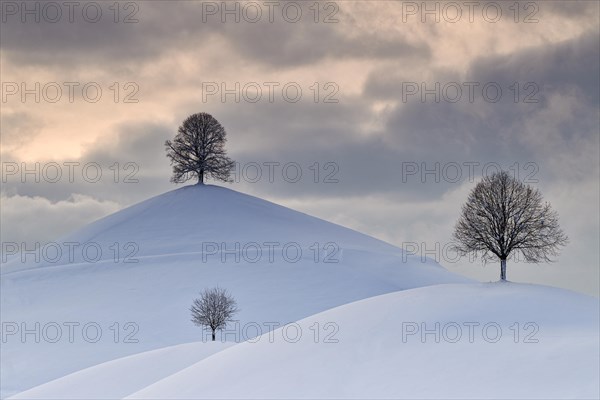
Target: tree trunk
<point>503,269</point>
<point>213,336</point>
<point>201,177</point>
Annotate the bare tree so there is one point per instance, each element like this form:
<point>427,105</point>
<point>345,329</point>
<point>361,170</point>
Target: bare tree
<point>503,215</point>
<point>213,309</point>
<point>198,150</point>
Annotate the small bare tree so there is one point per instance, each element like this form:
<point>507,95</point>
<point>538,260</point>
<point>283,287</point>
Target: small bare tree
<point>213,309</point>
<point>503,215</point>
<point>198,150</point>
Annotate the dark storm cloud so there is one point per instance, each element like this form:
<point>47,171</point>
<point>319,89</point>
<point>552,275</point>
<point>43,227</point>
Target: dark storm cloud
<point>484,130</point>
<point>278,45</point>
<point>421,134</point>
<point>432,135</point>
<point>160,27</point>
<point>414,133</point>
<point>82,41</point>
<point>572,64</point>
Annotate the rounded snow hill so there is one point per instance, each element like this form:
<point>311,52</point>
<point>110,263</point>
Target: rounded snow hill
<point>171,247</point>
<point>476,341</point>
<point>203,219</point>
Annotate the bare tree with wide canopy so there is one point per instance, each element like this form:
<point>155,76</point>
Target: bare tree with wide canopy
<point>214,309</point>
<point>198,150</point>
<point>502,216</point>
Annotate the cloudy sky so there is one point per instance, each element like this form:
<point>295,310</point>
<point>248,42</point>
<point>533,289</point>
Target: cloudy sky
<point>391,111</point>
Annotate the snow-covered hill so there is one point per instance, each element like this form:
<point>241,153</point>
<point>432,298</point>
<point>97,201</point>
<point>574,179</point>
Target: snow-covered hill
<point>81,309</point>
<point>188,220</point>
<point>497,340</point>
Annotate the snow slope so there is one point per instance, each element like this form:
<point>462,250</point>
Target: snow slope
<point>377,350</point>
<point>73,312</point>
<point>114,379</point>
<point>181,221</point>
